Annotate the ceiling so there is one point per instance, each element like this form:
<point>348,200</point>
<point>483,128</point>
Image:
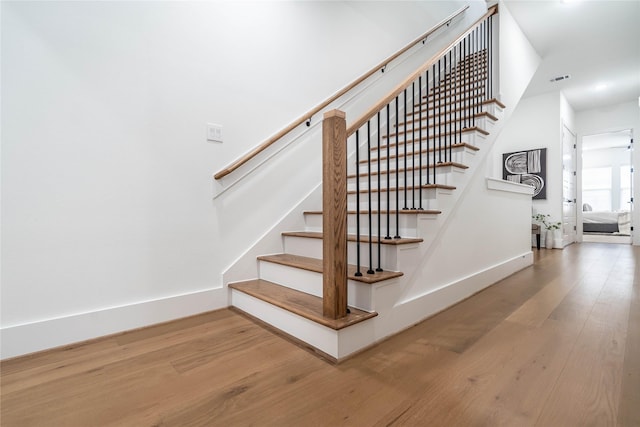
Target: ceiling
<point>596,42</point>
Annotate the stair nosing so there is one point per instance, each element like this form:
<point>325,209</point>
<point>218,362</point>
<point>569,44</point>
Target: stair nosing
<point>384,211</point>
<point>302,310</point>
<point>352,238</point>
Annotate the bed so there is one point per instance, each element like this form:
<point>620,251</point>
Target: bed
<point>606,222</point>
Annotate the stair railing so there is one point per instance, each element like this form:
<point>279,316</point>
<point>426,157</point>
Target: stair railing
<point>434,107</point>
<point>306,117</point>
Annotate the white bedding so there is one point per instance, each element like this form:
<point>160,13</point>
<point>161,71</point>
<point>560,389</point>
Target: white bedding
<point>622,218</point>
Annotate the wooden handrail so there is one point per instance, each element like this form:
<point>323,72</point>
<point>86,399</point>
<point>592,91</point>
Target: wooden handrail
<point>402,86</point>
<point>266,144</point>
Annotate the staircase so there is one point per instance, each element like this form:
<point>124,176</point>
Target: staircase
<point>402,183</point>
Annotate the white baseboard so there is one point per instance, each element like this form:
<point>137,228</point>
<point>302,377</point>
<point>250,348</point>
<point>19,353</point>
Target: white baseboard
<point>417,309</point>
<point>18,340</point>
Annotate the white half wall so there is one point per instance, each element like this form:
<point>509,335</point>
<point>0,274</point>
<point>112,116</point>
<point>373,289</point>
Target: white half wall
<point>537,123</point>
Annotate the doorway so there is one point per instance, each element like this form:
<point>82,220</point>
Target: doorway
<point>569,193</point>
<point>607,187</point>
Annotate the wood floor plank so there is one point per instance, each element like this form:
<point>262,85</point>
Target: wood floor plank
<point>629,408</point>
<point>594,382</point>
<point>467,366</point>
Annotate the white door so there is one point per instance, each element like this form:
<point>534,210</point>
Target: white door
<point>569,213</point>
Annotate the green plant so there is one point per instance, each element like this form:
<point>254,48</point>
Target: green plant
<point>544,219</point>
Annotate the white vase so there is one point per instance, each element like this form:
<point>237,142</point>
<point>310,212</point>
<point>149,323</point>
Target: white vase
<point>548,239</point>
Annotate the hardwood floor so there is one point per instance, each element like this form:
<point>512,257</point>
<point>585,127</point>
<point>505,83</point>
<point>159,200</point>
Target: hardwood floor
<point>557,344</point>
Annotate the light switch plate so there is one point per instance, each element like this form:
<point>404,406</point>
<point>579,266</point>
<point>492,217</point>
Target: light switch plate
<point>214,132</point>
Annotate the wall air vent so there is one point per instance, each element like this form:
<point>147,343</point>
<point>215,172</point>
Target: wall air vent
<point>560,78</point>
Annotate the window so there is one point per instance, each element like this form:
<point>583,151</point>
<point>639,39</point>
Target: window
<point>596,188</point>
<point>625,187</point>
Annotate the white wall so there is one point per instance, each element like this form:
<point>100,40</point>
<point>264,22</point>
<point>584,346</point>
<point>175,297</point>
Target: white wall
<point>107,217</point>
<point>610,119</point>
<point>536,123</point>
<point>518,60</point>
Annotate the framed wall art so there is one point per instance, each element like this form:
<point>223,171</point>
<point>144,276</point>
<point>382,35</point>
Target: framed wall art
<point>527,167</point>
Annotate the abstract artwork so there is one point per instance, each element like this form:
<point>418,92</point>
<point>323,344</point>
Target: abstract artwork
<point>527,167</point>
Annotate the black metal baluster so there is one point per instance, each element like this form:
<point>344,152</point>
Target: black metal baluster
<point>446,93</point>
<point>406,135</point>
<point>388,236</point>
<point>379,191</point>
<point>370,271</point>
<point>358,272</point>
<point>413,145</point>
<point>457,89</point>
<point>475,68</point>
<point>485,27</point>
<point>428,125</point>
<point>491,57</point>
<point>466,100</point>
<point>460,95</point>
<point>450,133</point>
<point>397,236</point>
<point>439,111</point>
<point>420,137</point>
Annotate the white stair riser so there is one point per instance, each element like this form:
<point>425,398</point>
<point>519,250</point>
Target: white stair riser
<point>313,248</point>
<point>316,335</point>
<point>408,224</point>
<point>463,102</point>
<point>413,149</point>
<point>459,155</point>
<point>359,295</point>
<point>441,129</point>
<point>471,137</point>
<point>413,178</point>
<point>428,203</point>
<point>460,114</point>
<point>445,175</point>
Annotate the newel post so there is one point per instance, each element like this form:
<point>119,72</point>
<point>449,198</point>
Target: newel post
<point>334,218</point>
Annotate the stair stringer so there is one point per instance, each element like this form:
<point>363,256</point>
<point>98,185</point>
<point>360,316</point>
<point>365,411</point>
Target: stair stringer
<point>245,266</point>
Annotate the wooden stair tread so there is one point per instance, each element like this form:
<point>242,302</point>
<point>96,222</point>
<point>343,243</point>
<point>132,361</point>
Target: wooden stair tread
<point>352,238</point>
<point>300,303</point>
<point>315,265</point>
<point>494,101</point>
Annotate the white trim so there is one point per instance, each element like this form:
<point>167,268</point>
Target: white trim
<point>508,186</point>
<point>308,331</point>
<point>18,340</point>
